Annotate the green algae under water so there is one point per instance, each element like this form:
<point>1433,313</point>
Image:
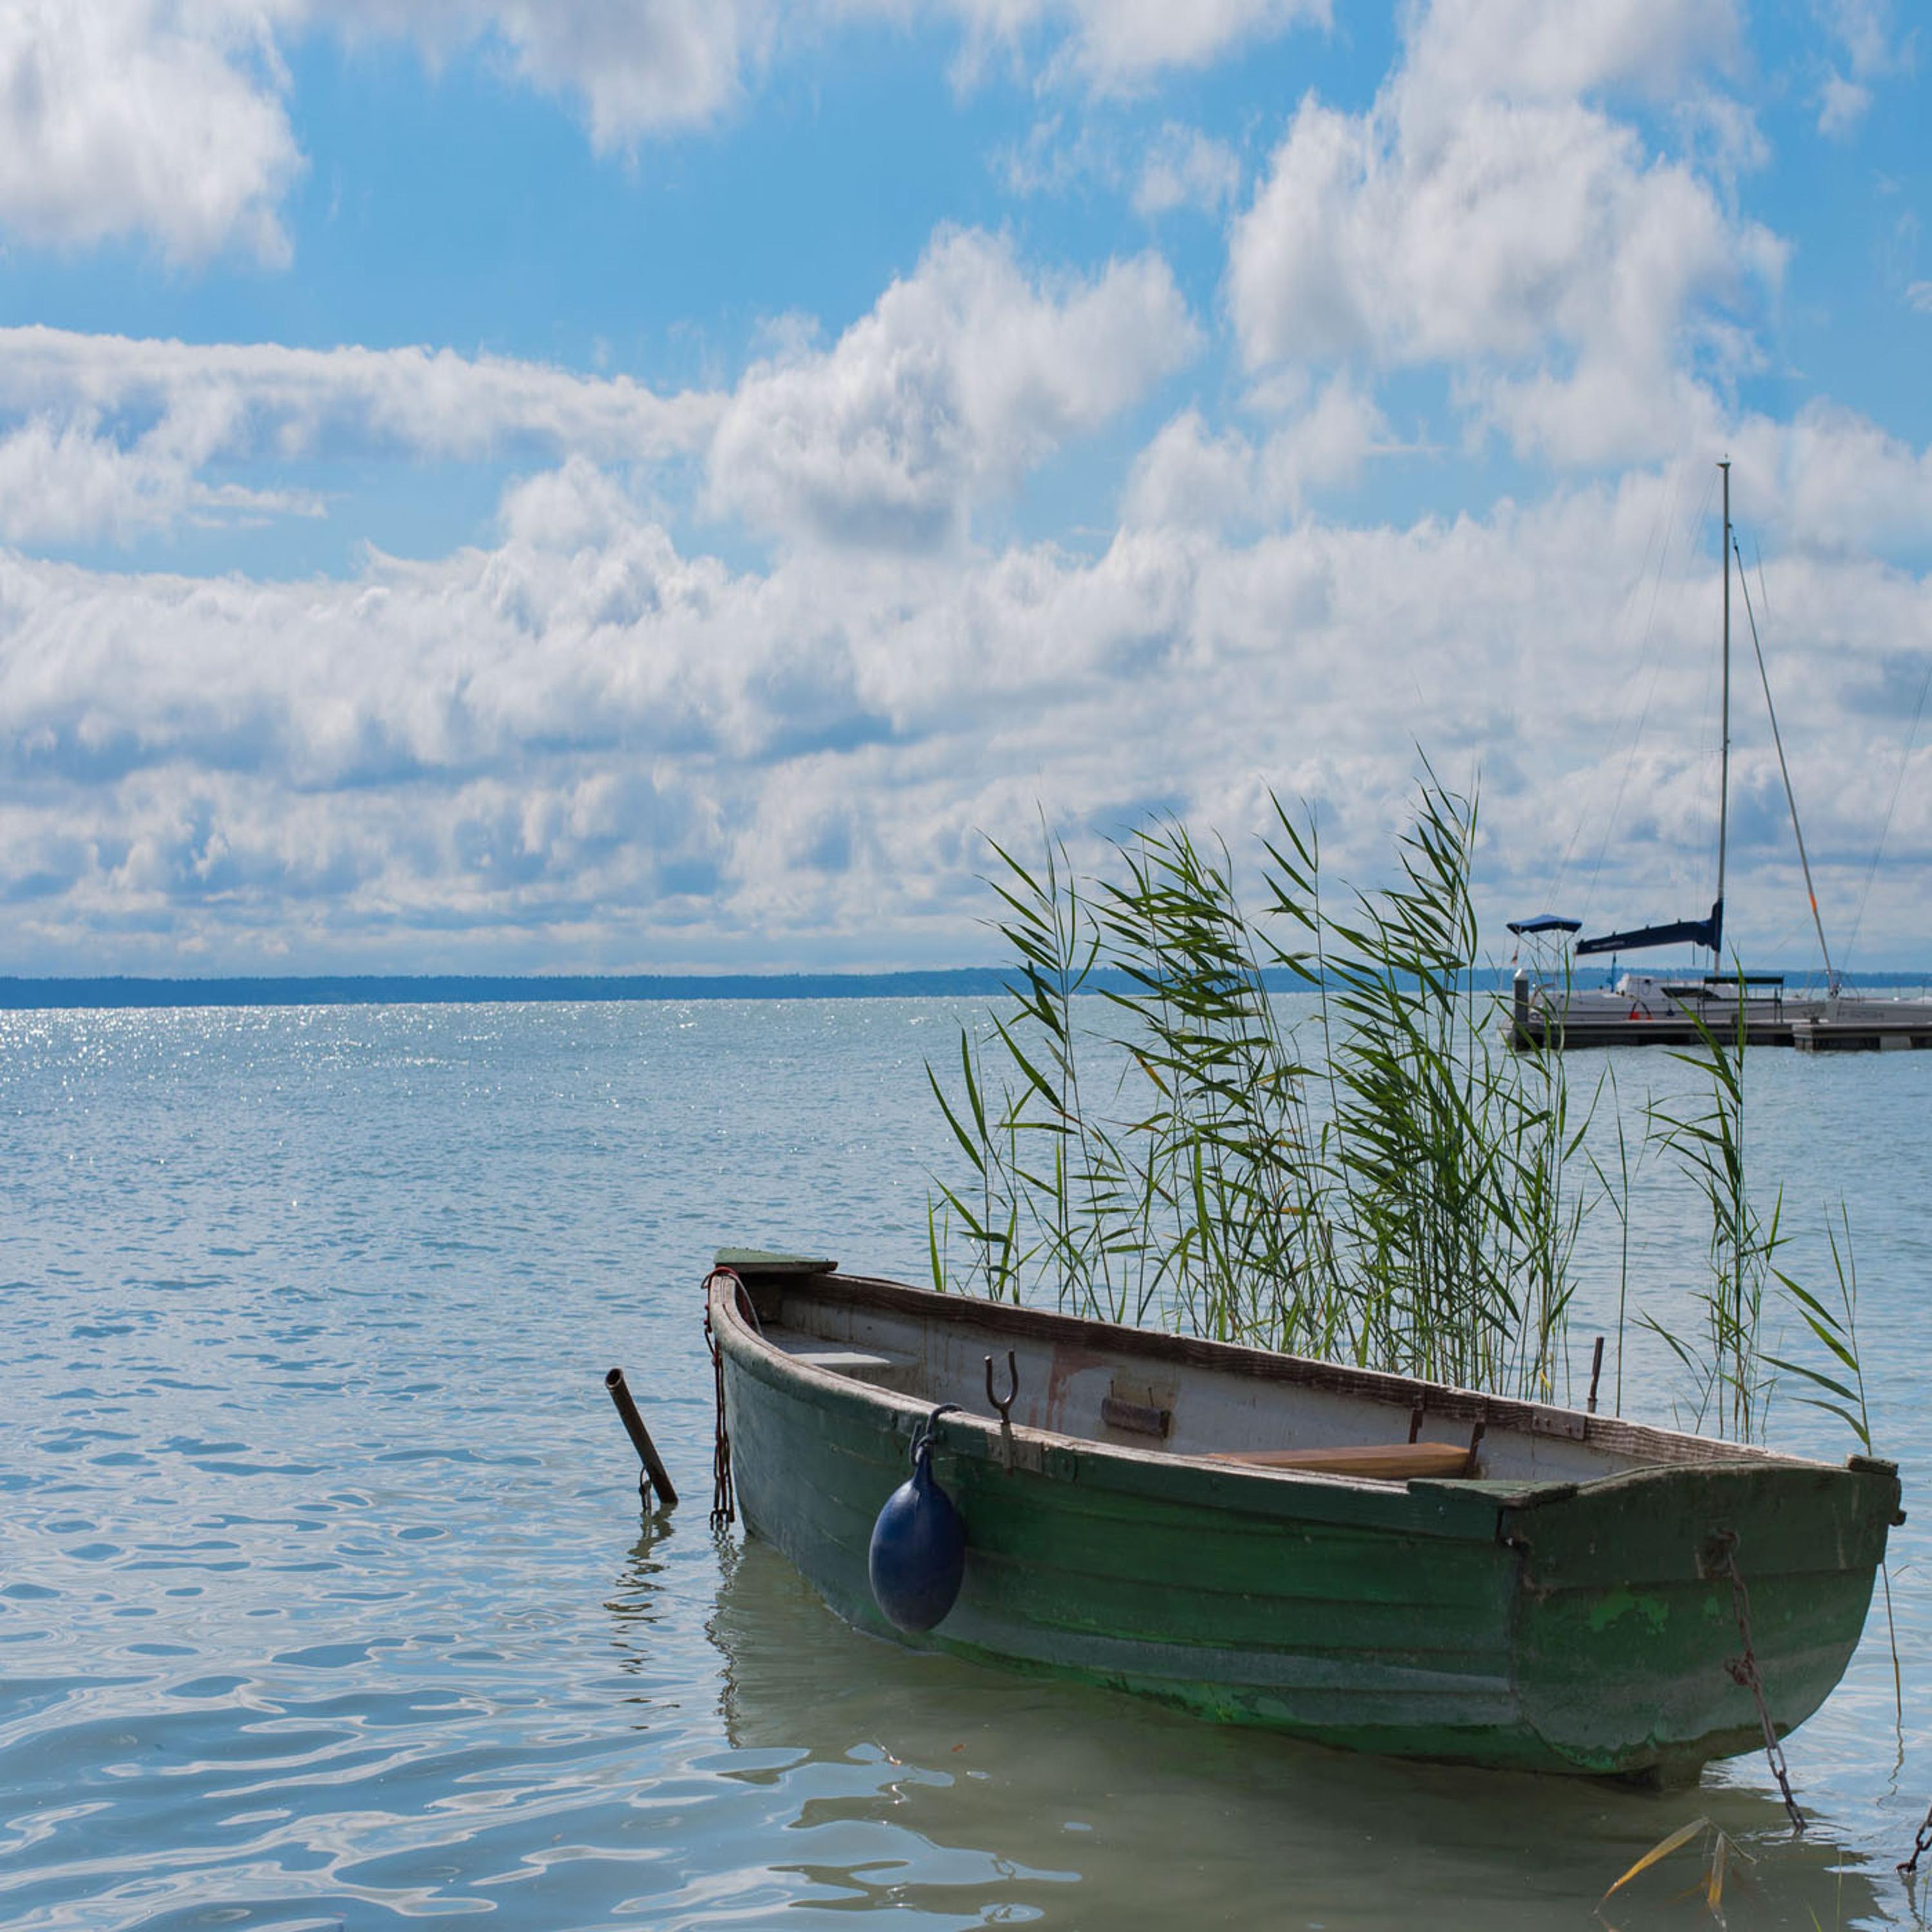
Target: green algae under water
<point>325,1599</point>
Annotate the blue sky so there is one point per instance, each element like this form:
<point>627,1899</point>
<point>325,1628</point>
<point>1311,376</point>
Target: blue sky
<point>618,486</point>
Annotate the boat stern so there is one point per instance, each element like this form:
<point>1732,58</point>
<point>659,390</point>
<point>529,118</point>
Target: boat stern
<point>1639,1596</point>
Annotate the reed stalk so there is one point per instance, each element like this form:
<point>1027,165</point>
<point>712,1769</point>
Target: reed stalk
<point>1403,1199</point>
<point>1390,1188</point>
<point>1731,1372</point>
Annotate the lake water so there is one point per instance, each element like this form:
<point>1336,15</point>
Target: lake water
<point>324,1599</point>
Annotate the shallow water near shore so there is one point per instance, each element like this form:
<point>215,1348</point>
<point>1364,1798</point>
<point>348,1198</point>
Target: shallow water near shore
<point>325,1600</point>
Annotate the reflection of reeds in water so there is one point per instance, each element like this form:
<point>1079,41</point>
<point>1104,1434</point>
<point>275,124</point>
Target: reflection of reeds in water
<point>913,1780</point>
<point>1401,1199</point>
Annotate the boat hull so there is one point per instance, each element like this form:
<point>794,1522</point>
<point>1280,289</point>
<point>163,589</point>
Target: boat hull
<point>1558,1628</point>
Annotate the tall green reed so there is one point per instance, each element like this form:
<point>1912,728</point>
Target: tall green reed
<point>1403,1200</point>
<point>1732,1374</point>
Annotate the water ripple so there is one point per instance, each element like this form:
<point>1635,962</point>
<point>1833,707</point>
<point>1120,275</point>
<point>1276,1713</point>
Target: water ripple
<point>323,1597</point>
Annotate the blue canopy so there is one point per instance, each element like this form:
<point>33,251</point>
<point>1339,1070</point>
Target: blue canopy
<point>1545,921</point>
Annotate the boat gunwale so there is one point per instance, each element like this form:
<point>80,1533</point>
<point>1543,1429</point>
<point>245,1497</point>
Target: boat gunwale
<point>1654,1450</point>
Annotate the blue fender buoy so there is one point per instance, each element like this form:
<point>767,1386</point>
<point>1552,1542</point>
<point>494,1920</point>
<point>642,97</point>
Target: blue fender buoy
<point>917,1557</point>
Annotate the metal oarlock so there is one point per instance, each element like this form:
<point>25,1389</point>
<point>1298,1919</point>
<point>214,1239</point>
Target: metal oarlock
<point>1005,1408</point>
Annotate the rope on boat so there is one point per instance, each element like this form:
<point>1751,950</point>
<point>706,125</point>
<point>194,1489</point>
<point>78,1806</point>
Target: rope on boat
<point>724,1503</point>
<point>1743,1669</point>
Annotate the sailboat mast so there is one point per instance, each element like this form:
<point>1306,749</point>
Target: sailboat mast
<point>1724,754</point>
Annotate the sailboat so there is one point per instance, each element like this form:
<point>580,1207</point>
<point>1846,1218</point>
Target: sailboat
<point>1546,1008</point>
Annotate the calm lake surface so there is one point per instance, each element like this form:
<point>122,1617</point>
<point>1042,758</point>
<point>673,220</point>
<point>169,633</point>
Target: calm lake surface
<point>324,1599</point>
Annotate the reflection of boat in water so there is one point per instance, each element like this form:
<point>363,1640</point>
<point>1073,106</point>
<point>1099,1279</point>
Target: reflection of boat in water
<point>914,1781</point>
<point>1390,1565</point>
<point>1639,1009</point>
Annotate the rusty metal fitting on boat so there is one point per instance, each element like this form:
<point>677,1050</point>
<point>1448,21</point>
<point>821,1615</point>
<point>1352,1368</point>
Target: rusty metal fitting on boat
<point>1005,1408</point>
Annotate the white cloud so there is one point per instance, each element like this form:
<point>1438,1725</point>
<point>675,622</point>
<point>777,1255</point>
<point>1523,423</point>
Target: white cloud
<point>1919,295</point>
<point>1862,30</point>
<point>965,375</point>
<point>127,118</point>
<point>579,744</point>
<point>111,435</point>
<point>1115,44</point>
<point>1527,50</point>
<point>1188,478</point>
<point>1841,105</point>
<point>61,483</point>
<point>120,118</point>
<point>634,67</point>
<point>1187,169</point>
<point>1516,234</point>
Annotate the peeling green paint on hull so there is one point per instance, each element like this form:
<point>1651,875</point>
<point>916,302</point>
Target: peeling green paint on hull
<point>1559,1627</point>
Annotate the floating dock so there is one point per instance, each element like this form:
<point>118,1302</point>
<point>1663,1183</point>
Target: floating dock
<point>1846,1025</point>
<point>1861,1032</point>
<point>1531,1032</point>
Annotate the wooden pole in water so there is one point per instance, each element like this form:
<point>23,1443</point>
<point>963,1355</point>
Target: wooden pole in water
<point>659,1476</point>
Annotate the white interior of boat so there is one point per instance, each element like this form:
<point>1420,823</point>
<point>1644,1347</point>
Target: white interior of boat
<point>1305,1416</point>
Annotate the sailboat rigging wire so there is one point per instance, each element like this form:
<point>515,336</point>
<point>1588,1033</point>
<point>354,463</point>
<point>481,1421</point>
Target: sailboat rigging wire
<point>1898,783</point>
<point>1790,796</point>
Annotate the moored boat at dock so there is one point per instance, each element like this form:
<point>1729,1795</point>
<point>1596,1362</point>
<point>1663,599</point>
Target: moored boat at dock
<point>1549,1009</point>
<point>1359,1558</point>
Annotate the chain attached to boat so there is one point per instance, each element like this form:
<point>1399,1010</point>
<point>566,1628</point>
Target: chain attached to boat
<point>724,1504</point>
<point>1920,1845</point>
<point>1721,1560</point>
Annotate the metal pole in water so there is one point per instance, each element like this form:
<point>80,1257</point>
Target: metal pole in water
<point>654,1471</point>
<point>1724,750</point>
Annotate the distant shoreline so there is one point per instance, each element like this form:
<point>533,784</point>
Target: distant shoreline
<point>21,993</point>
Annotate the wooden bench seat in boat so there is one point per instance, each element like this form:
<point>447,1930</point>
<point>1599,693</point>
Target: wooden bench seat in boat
<point>1383,1462</point>
<point>879,1367</point>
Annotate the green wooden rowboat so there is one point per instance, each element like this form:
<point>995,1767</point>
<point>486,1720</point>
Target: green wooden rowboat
<point>1562,1601</point>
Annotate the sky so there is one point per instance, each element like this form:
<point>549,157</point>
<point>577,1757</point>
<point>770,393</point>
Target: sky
<point>619,485</point>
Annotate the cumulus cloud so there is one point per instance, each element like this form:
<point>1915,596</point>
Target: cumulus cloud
<point>111,435</point>
<point>61,483</point>
<point>1187,168</point>
<point>123,118</point>
<point>634,68</point>
<point>580,743</point>
<point>963,375</point>
<point>1512,231</point>
<point>1117,43</point>
<point>1528,50</point>
<point>1188,478</point>
<point>1862,33</point>
<point>132,118</point>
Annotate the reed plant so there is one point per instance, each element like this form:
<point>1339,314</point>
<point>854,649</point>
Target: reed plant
<point>1401,1197</point>
<point>1732,1375</point>
<point>1146,1140</point>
